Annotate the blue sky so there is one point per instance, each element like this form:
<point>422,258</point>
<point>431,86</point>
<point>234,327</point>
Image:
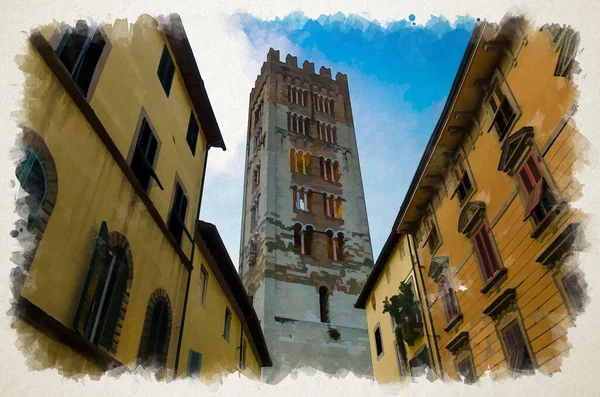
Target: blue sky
<point>399,76</point>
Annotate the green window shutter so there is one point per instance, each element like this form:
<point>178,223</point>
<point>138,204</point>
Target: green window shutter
<point>114,301</point>
<point>94,285</point>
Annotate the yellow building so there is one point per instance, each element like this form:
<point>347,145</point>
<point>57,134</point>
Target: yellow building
<point>488,211</point>
<point>117,126</point>
<point>393,361</point>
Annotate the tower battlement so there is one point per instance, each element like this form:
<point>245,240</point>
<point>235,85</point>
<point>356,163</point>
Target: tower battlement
<point>306,72</point>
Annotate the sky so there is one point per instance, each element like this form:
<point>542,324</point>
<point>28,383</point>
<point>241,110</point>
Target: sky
<point>399,75</point>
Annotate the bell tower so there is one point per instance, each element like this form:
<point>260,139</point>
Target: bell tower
<point>305,249</point>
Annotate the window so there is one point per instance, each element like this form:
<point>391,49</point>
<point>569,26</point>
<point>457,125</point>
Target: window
<point>154,345</point>
<point>258,112</point>
<point>194,364</point>
<point>417,317</point>
<point>329,170</point>
<point>402,252</point>
<point>166,70</point>
<point>539,199</point>
<point>566,64</point>
<point>227,324</point>
<point>298,124</point>
<point>327,133</point>
<point>302,199</point>
<point>324,104</point>
<point>254,213</point>
<point>504,113</point>
<point>433,237</point>
<point>300,161</point>
<point>486,252</point>
<point>202,285</point>
<point>518,355</point>
<point>332,206</point>
<point>463,182</point>
<point>176,222</point>
<point>575,287</point>
<point>192,133</point>
<point>80,51</point>
<point>466,370</point>
<point>419,364</point>
<point>449,297</point>
<point>257,139</point>
<point>401,360</point>
<point>32,177</point>
<point>297,95</point>
<point>103,294</point>
<point>388,274</point>
<point>373,302</point>
<point>256,176</point>
<point>324,304</point>
<point>378,342</point>
<point>142,162</point>
<point>303,236</point>
<point>335,245</point>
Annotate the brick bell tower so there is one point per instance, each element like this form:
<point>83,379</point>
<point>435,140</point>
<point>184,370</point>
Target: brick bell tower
<point>305,249</point>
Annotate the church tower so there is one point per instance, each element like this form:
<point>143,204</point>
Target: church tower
<point>305,250</point>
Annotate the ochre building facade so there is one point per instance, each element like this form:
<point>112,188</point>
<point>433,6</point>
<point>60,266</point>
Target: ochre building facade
<point>489,211</point>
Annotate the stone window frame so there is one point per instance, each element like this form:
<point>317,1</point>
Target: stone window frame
<point>438,270</point>
<point>377,331</point>
<point>401,361</point>
<point>158,294</point>
<point>325,164</point>
<point>498,80</point>
<point>335,244</point>
<point>516,149</point>
<point>560,258</point>
<point>461,351</point>
<point>302,194</point>
<point>504,310</point>
<point>132,146</point>
<point>472,218</point>
<point>463,162</point>
<point>299,154</point>
<point>301,234</point>
<point>429,223</point>
<point>57,38</point>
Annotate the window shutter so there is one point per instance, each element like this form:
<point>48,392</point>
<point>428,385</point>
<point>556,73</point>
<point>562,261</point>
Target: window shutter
<point>515,345</point>
<point>118,286</point>
<point>575,290</point>
<point>94,284</point>
<point>535,197</point>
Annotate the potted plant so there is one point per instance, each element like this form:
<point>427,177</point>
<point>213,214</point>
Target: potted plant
<point>404,310</point>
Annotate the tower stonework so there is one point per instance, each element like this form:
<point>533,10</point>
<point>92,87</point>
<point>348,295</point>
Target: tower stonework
<point>305,250</point>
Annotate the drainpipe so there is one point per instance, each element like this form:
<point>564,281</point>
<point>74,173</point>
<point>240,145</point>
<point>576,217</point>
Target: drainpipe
<point>433,335</point>
<point>189,279</point>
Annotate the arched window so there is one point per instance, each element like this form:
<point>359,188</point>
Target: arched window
<point>303,236</point>
<point>330,245</point>
<point>324,304</point>
<point>154,344</point>
<point>32,177</point>
<point>256,175</point>
<point>298,243</point>
<point>339,247</point>
<point>103,300</point>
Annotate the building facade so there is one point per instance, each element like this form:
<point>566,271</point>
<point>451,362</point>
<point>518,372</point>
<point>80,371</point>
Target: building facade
<point>305,247</point>
<point>489,211</point>
<point>116,131</point>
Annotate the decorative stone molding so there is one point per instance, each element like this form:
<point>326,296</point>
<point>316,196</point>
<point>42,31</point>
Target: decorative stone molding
<point>470,216</point>
<point>504,303</point>
<point>460,342</point>
<point>513,149</point>
<point>158,295</point>
<point>438,267</point>
<point>562,246</point>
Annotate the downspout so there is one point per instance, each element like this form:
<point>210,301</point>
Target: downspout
<point>433,335</point>
<point>189,279</point>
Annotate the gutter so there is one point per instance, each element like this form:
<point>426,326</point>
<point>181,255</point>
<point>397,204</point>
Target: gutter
<point>189,278</point>
<point>433,335</point>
